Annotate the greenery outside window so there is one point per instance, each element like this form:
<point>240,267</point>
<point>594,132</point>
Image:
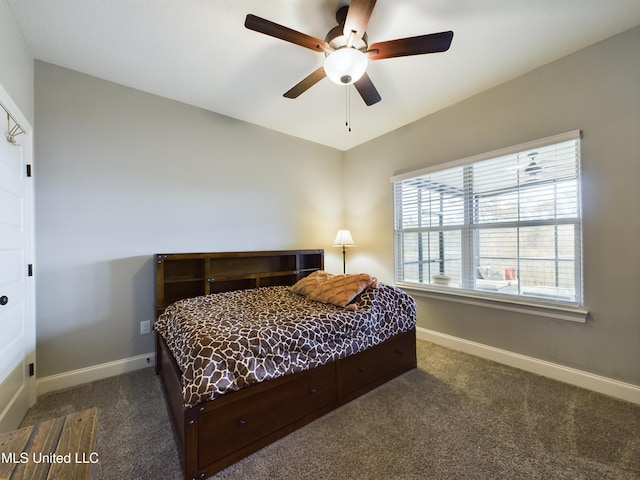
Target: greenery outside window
<point>504,225</point>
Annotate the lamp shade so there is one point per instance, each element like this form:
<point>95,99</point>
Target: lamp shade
<point>346,65</point>
<point>343,239</point>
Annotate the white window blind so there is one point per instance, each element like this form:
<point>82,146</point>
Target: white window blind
<point>506,224</point>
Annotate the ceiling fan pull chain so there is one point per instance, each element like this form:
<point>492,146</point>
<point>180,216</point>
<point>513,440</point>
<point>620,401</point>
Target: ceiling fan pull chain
<point>348,107</point>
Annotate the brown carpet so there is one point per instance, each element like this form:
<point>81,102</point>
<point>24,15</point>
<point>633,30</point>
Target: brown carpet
<point>454,417</point>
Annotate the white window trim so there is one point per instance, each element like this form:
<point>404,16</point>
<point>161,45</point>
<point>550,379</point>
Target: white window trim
<point>471,297</point>
<point>576,315</point>
<point>561,137</point>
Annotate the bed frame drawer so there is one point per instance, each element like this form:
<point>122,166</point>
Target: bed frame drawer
<point>248,422</point>
<point>375,365</point>
<point>218,433</point>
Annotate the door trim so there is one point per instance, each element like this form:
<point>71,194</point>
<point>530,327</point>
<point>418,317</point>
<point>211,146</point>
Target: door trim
<point>7,417</point>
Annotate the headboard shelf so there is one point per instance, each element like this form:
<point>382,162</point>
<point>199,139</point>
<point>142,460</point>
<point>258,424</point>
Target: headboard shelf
<point>185,275</point>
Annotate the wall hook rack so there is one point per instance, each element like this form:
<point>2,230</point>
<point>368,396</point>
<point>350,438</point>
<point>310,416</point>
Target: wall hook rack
<point>12,131</point>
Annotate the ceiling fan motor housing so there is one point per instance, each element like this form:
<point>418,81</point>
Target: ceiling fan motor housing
<point>336,39</point>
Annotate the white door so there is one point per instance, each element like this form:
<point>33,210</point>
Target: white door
<point>17,316</point>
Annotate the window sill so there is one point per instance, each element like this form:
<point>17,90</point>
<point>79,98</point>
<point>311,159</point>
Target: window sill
<point>559,312</point>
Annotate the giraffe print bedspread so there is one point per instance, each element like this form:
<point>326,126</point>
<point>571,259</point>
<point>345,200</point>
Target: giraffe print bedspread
<point>227,341</point>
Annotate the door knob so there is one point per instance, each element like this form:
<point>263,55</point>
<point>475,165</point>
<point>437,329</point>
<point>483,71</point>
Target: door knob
<point>4,300</point>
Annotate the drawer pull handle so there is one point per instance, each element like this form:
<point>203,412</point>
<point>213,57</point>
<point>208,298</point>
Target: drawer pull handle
<point>241,423</point>
<point>313,391</point>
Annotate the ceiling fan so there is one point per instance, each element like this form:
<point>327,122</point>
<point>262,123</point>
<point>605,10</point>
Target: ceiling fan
<point>347,50</point>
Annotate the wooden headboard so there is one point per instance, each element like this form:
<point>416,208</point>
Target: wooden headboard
<point>186,275</point>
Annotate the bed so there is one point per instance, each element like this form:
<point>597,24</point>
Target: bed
<point>269,342</point>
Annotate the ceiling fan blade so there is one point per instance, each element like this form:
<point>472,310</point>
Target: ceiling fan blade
<point>272,29</point>
<point>306,83</point>
<point>403,47</point>
<point>358,17</point>
<point>367,91</point>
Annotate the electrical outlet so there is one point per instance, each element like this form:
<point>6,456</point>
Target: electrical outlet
<point>145,327</point>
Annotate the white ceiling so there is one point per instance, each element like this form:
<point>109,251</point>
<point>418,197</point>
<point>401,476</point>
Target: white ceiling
<point>199,52</point>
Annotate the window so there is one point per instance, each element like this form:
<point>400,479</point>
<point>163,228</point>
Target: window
<point>504,225</point>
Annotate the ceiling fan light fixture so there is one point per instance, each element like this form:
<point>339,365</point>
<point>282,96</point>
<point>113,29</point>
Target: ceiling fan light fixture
<point>345,65</point>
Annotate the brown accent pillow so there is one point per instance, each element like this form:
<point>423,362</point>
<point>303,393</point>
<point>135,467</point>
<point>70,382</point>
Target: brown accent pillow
<point>340,290</point>
<point>308,284</point>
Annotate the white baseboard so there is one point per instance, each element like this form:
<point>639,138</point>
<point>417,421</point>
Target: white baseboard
<point>91,374</point>
<point>579,378</point>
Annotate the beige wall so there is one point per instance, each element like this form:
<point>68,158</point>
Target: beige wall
<point>16,63</point>
<point>122,175</point>
<point>596,90</point>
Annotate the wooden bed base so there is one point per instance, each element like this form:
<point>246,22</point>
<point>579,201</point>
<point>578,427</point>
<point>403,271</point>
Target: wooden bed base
<point>215,434</point>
